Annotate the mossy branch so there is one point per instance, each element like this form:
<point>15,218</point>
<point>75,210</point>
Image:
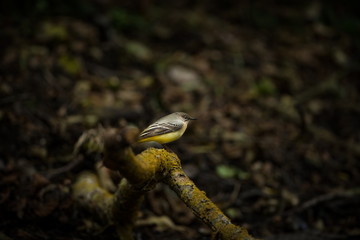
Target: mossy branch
<point>141,173</point>
<point>202,206</point>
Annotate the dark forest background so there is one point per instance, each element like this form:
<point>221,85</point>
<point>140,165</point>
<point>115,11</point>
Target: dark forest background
<point>274,86</point>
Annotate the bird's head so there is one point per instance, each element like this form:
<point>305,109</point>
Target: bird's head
<point>186,117</point>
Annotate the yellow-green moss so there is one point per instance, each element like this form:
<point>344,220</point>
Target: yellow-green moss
<point>141,173</point>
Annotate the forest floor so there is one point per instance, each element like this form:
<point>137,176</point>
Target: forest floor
<point>275,89</point>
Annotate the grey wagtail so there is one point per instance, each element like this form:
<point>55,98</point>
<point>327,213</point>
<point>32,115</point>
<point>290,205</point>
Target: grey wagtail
<point>166,129</point>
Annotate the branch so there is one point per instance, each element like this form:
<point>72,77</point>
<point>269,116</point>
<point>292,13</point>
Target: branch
<point>201,205</point>
<point>141,173</point>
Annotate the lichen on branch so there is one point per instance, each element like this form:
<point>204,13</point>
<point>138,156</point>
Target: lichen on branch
<point>141,173</point>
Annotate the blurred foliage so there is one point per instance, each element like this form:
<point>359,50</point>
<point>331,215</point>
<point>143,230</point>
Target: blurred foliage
<point>274,86</point>
<point>225,171</point>
<point>124,20</point>
<point>70,64</point>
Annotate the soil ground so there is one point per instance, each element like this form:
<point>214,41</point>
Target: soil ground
<point>274,86</point>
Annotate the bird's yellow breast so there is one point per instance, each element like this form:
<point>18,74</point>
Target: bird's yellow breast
<point>167,137</point>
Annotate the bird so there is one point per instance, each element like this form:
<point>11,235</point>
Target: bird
<point>166,129</point>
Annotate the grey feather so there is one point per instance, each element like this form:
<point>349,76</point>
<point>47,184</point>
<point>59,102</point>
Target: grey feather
<point>159,128</point>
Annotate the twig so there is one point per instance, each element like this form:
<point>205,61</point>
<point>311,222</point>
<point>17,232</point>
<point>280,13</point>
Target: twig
<point>324,198</point>
<point>66,168</point>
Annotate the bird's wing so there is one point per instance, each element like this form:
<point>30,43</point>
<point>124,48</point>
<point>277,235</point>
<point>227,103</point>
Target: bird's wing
<point>157,129</point>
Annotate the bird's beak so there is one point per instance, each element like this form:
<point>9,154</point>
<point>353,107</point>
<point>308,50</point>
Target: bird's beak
<point>191,118</point>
